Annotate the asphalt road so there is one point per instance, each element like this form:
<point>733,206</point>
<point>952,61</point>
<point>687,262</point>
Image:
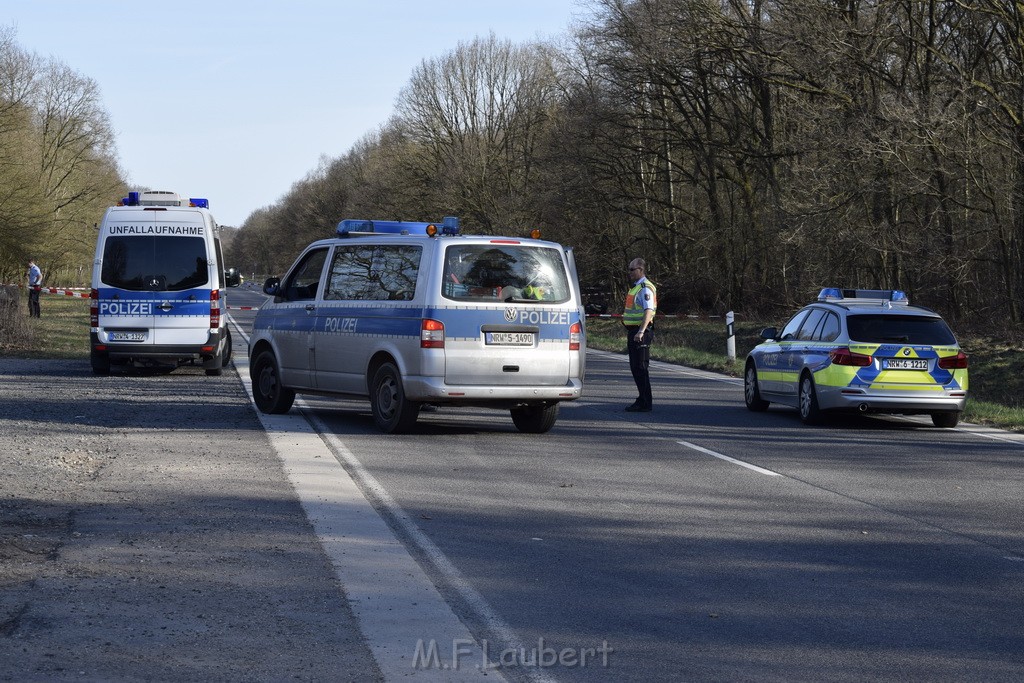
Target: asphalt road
<point>705,542</point>
<point>696,542</point>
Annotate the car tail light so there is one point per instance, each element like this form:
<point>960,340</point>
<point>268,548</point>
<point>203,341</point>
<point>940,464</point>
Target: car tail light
<point>432,334</point>
<point>957,362</point>
<point>575,331</point>
<point>847,357</point>
<point>94,308</point>
<point>214,309</point>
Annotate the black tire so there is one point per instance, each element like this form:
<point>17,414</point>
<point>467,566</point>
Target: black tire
<point>810,413</point>
<point>751,393</point>
<point>535,419</point>
<point>268,393</point>
<point>392,411</point>
<point>100,362</point>
<point>220,362</point>
<point>946,420</point>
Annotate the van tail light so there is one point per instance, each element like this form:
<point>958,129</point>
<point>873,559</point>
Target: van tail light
<point>94,308</point>
<point>214,309</point>
<point>431,334</point>
<point>848,357</point>
<point>957,362</point>
<point>575,330</point>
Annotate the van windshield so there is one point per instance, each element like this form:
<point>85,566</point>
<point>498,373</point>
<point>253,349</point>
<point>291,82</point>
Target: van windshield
<point>155,263</point>
<point>504,272</point>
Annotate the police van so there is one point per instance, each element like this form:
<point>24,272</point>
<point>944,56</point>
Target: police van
<point>158,284</point>
<point>408,314</point>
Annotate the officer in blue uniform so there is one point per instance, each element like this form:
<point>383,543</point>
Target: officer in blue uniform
<point>35,286</point>
<point>638,317</point>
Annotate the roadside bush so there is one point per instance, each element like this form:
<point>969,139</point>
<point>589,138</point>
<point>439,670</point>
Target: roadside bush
<point>15,332</point>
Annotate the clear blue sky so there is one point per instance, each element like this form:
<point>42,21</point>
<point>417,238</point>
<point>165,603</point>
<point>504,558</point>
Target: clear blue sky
<point>236,101</point>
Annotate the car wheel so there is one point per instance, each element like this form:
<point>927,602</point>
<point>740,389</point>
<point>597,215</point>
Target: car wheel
<point>268,393</point>
<point>751,393</point>
<point>946,420</point>
<point>392,411</point>
<point>535,419</point>
<point>228,349</point>
<point>216,367</point>
<point>810,413</point>
<point>100,361</point>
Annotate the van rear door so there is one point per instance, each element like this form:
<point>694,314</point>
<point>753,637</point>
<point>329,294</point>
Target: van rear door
<point>156,278</point>
<point>512,307</point>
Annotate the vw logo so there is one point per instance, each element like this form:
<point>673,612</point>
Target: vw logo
<point>906,352</point>
<point>510,315</point>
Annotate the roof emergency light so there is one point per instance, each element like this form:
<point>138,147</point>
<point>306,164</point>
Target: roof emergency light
<point>895,296</point>
<point>351,226</point>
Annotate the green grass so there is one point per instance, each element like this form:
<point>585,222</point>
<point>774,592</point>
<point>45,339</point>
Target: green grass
<point>996,364</point>
<point>61,331</point>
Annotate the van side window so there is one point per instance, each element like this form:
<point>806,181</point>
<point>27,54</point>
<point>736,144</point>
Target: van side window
<point>374,272</point>
<point>305,280</point>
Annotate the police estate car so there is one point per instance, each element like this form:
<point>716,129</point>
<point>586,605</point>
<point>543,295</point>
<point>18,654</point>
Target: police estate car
<point>860,350</point>
<point>409,313</point>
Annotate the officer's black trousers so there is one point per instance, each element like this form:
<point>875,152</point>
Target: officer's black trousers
<point>639,359</point>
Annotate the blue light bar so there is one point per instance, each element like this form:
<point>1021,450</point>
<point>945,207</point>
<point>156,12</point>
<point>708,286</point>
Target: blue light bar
<point>199,202</point>
<point>450,225</point>
<point>351,226</point>
<point>837,294</point>
<point>830,293</point>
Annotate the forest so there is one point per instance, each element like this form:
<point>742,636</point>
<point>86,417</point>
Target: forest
<point>58,166</point>
<point>752,152</point>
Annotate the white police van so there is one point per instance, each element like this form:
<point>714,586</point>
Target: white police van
<point>409,314</point>
<point>158,286</point>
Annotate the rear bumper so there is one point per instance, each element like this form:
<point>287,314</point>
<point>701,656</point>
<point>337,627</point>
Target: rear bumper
<point>908,403</point>
<point>126,352</point>
<point>434,390</point>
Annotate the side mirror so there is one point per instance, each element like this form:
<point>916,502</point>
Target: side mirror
<point>272,286</point>
<point>769,333</point>
<point>232,278</point>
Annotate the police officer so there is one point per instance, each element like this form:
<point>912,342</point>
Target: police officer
<point>35,285</point>
<point>638,317</point>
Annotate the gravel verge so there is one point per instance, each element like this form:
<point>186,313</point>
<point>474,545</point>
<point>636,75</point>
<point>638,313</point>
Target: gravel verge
<point>148,532</point>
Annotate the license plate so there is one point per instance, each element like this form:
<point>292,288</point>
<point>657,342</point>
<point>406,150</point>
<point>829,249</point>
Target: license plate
<point>906,364</point>
<point>510,338</point>
<point>127,336</point>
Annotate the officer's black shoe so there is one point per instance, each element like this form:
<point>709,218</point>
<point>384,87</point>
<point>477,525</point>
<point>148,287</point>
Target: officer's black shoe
<point>638,408</point>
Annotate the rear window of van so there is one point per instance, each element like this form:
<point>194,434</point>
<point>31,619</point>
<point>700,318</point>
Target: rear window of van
<point>500,272</point>
<point>155,263</point>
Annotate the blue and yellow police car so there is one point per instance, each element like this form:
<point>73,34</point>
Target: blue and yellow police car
<point>860,350</point>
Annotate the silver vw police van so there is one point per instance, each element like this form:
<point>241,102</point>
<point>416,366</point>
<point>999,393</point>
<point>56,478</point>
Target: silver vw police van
<point>408,314</point>
<point>158,286</point>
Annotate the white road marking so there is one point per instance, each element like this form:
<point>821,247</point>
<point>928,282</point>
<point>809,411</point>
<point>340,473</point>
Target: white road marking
<point>760,470</point>
<point>399,609</point>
